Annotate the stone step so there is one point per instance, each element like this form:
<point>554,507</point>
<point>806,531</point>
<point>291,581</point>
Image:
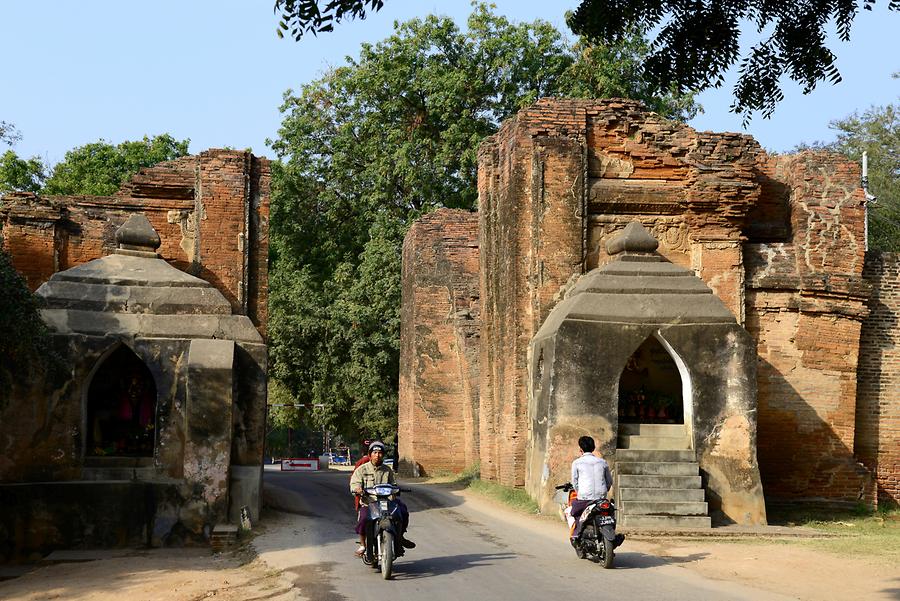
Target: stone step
<point>224,536</point>
<point>647,455</point>
<point>659,468</point>
<point>661,494</point>
<point>665,522</point>
<point>654,442</point>
<point>652,430</point>
<point>640,481</point>
<point>632,508</point>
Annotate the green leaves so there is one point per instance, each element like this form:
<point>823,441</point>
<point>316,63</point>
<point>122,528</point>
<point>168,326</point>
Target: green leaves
<point>25,345</point>
<point>696,42</point>
<point>99,168</point>
<point>9,135</point>
<point>370,147</point>
<point>18,174</point>
<point>305,16</point>
<point>23,175</point>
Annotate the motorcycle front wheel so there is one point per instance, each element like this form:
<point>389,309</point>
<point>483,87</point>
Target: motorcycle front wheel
<point>387,554</point>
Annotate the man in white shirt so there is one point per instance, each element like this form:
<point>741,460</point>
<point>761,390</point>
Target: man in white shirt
<point>590,477</point>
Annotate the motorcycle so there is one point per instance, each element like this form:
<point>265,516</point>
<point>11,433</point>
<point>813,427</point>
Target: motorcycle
<point>594,536</point>
<point>384,528</point>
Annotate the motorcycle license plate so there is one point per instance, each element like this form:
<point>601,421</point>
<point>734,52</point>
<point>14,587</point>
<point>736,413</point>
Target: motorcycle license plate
<point>384,505</point>
<point>605,520</point>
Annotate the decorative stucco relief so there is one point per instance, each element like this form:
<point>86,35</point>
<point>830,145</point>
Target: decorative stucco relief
<point>671,232</point>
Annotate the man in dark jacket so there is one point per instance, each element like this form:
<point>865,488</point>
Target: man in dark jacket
<point>370,474</point>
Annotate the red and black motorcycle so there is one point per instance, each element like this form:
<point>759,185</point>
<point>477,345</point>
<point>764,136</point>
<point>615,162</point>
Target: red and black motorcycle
<point>594,535</point>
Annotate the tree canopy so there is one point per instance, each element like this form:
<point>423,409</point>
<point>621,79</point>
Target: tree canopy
<point>697,41</point>
<point>18,174</point>
<point>25,345</point>
<point>306,16</point>
<point>98,168</point>
<point>374,144</point>
<point>9,135</point>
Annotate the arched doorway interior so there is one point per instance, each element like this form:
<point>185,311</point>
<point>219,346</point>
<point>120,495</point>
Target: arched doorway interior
<point>121,407</point>
<point>650,387</point>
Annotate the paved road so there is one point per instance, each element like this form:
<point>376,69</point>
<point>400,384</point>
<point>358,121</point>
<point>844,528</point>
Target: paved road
<point>467,549</point>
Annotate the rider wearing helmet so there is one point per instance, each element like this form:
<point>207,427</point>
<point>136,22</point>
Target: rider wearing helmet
<point>370,474</point>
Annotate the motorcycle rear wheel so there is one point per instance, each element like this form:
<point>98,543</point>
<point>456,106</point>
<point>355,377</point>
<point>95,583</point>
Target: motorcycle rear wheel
<point>605,552</point>
<point>387,554</point>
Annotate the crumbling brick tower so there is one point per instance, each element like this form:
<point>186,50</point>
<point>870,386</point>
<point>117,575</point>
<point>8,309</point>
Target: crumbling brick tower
<point>779,239</point>
<point>211,212</point>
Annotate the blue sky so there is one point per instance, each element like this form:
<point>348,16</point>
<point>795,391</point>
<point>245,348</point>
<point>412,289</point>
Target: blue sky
<point>215,72</point>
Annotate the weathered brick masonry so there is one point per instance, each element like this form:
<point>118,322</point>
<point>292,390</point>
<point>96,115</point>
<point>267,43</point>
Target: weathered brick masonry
<point>780,240</point>
<point>438,401</point>
<point>878,409</point>
<point>211,211</point>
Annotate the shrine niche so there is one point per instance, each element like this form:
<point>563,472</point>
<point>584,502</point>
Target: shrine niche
<point>161,420</point>
<point>121,407</point>
<point>634,337</point>
<point>650,387</point>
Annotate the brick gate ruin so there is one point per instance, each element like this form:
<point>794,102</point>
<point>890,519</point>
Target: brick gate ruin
<point>156,299</point>
<point>778,239</point>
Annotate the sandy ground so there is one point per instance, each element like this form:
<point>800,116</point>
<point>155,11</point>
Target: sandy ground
<point>253,573</point>
<point>154,575</point>
<point>787,569</point>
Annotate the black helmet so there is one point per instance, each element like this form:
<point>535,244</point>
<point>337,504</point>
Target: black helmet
<point>376,444</point>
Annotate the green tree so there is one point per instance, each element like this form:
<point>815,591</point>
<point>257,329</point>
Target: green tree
<point>99,168</point>
<point>25,345</point>
<point>368,148</point>
<point>9,135</point>
<point>696,43</point>
<point>17,174</point>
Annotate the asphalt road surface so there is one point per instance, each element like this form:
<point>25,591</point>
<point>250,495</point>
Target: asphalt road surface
<point>466,549</point>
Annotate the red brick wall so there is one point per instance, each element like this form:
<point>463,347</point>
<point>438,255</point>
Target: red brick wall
<point>532,232</point>
<point>878,407</point>
<point>780,240</point>
<point>211,213</point>
<point>805,304</point>
<point>438,397</point>
<point>554,184</point>
<point>29,235</point>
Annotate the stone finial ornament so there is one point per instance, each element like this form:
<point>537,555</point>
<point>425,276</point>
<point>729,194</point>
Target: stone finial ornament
<point>634,238</point>
<point>136,234</point>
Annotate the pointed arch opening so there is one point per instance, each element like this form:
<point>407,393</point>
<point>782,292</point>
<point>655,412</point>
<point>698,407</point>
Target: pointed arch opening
<point>121,407</point>
<point>651,390</point>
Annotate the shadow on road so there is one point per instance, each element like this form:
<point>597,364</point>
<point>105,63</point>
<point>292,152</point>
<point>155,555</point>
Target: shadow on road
<point>893,591</point>
<point>632,561</point>
<point>448,564</point>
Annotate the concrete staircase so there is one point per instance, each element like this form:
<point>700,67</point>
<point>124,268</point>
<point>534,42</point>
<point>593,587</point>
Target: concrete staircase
<point>658,479</point>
